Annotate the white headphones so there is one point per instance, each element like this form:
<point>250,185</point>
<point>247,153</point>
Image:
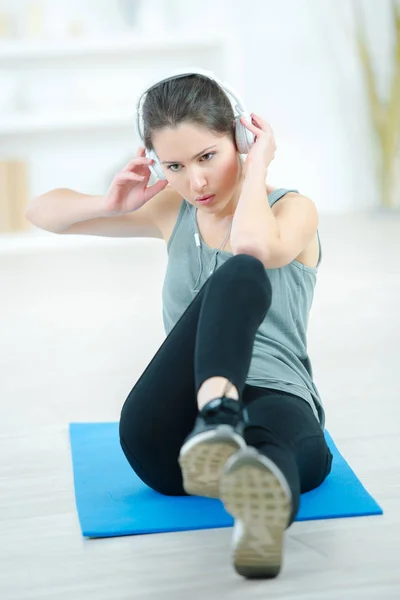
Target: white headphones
<point>243,137</point>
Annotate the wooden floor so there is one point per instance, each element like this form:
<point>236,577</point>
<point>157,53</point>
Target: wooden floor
<point>78,325</point>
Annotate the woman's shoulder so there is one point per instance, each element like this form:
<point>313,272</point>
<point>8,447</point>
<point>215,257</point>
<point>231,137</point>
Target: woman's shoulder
<point>168,216</point>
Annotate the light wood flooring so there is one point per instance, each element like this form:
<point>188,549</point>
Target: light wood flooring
<point>78,325</point>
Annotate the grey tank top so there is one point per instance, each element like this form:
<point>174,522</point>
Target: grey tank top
<point>280,360</point>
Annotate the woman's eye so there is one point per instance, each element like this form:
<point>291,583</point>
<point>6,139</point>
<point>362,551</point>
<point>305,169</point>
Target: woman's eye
<point>209,154</point>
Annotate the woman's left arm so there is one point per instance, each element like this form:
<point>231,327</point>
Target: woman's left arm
<point>278,237</point>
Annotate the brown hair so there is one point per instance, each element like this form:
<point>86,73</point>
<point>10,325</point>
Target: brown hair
<point>188,99</point>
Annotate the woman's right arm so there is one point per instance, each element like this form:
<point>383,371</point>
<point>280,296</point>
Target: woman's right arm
<point>130,207</point>
<point>58,209</point>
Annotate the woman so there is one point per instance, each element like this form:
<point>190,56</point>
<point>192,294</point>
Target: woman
<point>193,423</point>
<point>227,408</point>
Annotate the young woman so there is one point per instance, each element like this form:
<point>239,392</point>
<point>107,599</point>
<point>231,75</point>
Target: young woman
<point>227,408</point>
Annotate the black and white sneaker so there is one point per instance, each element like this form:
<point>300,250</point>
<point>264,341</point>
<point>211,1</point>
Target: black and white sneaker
<point>256,493</point>
<point>217,435</point>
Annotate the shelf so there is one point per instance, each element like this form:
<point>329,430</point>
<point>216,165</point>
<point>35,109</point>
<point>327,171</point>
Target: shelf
<point>83,119</point>
<point>23,50</point>
<point>20,123</point>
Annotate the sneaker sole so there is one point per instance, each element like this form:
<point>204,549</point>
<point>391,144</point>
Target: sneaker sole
<point>203,457</point>
<point>260,501</point>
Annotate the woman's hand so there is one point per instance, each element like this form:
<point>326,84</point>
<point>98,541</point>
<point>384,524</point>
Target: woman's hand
<point>262,153</point>
<point>128,191</point>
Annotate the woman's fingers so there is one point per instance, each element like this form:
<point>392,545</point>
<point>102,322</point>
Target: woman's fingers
<point>154,189</point>
<point>250,126</point>
<point>140,160</point>
<point>128,176</point>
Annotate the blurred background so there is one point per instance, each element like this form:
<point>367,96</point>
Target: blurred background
<point>325,74</point>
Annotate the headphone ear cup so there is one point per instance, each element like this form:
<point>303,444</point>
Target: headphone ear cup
<point>244,138</point>
<point>155,168</point>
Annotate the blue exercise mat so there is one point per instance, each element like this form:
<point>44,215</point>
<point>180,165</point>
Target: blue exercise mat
<point>113,501</point>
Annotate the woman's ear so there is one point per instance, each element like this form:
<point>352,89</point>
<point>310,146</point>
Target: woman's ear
<point>234,135</point>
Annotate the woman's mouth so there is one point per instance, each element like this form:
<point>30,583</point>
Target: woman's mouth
<point>206,200</point>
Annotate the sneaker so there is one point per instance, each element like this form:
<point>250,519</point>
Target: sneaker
<point>217,435</point>
<point>256,493</point>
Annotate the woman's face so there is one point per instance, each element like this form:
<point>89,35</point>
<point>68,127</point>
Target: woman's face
<point>199,162</point>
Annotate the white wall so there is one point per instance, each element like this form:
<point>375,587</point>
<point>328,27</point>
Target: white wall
<point>293,64</point>
<point>297,67</point>
<point>303,76</point>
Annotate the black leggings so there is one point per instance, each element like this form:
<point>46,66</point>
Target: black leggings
<point>214,338</point>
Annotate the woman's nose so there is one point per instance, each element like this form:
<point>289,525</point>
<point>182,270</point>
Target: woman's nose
<point>197,182</point>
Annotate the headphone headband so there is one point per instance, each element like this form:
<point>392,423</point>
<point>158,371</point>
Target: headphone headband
<point>238,107</point>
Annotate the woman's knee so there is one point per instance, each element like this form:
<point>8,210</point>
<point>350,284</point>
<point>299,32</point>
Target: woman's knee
<point>248,277</point>
<point>247,264</point>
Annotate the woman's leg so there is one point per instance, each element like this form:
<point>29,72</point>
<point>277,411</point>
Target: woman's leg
<point>261,485</point>
<point>161,408</point>
<point>283,427</point>
<point>232,311</point>
<point>213,338</point>
<point>229,318</point>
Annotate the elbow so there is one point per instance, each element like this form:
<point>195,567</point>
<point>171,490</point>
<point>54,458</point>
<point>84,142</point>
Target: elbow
<point>30,210</point>
<point>28,215</point>
<point>251,250</point>
<point>31,217</point>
